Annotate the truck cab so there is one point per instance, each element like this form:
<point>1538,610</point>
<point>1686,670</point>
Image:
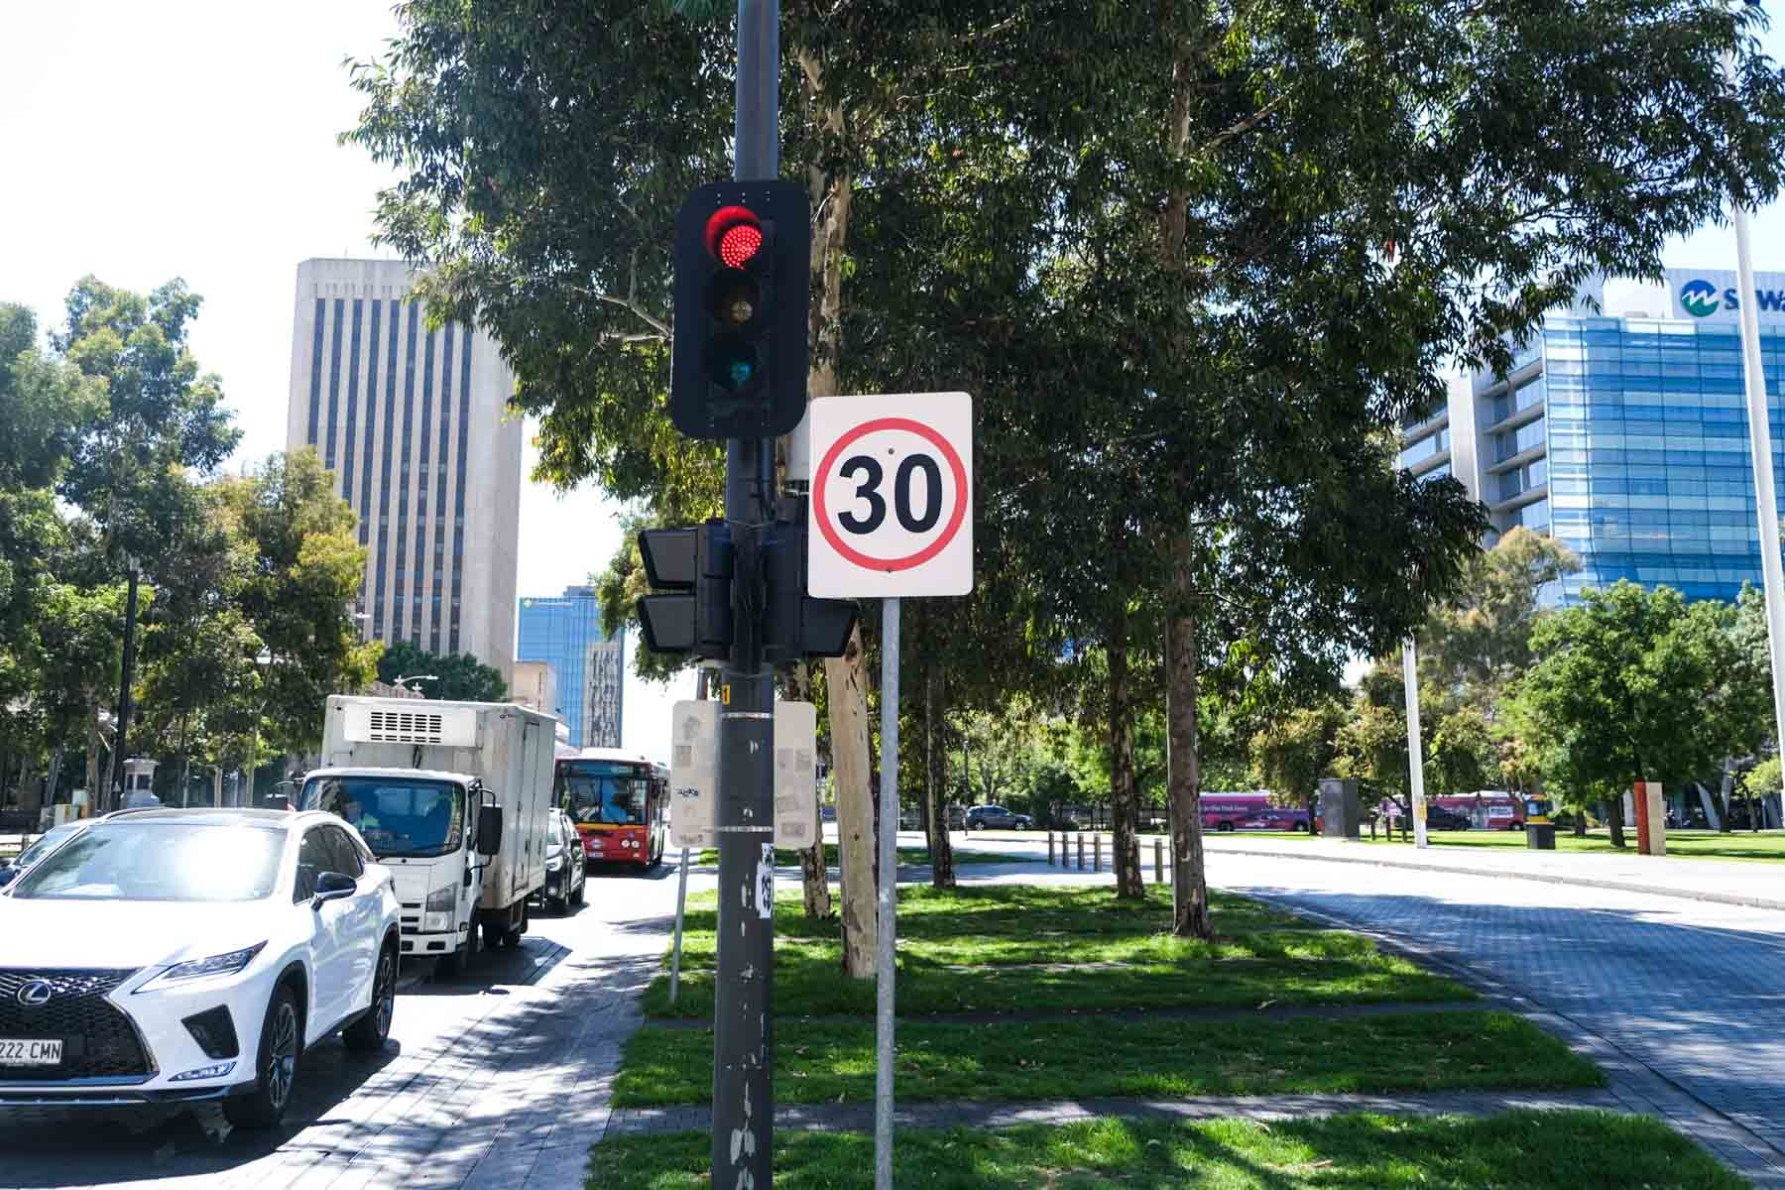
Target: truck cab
<point>431,830</point>
<point>454,797</point>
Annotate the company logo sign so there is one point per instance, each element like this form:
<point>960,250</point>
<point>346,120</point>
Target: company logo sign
<point>35,994</point>
<point>1699,298</point>
<point>1716,295</point>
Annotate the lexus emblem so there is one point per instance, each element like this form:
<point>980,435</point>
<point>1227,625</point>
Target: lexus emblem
<point>35,994</point>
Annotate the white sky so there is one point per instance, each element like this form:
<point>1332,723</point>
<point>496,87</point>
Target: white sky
<point>196,139</point>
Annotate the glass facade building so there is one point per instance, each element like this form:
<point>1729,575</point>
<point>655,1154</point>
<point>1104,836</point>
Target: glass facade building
<point>565,633</point>
<point>1625,438</point>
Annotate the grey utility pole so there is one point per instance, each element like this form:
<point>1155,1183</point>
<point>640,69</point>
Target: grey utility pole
<point>743,1033</point>
<point>887,954</point>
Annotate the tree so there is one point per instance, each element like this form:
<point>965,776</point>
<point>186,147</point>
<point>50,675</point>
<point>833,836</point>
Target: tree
<point>462,677</point>
<point>1616,690</point>
<point>298,596</point>
<point>1291,755</point>
<point>1175,221</point>
<point>1477,642</point>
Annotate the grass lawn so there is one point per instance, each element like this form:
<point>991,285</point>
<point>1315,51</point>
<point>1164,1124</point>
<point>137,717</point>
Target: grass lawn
<point>1529,1151</point>
<point>1009,948</point>
<point>907,855</point>
<point>1685,844</point>
<point>824,1062</point>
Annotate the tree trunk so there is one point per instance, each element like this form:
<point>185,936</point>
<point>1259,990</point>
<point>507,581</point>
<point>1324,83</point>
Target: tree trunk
<point>935,796</point>
<point>1124,797</point>
<point>1725,798</point>
<point>54,777</point>
<point>845,677</point>
<point>1189,888</point>
<point>1614,819</point>
<point>93,756</point>
<point>1580,823</point>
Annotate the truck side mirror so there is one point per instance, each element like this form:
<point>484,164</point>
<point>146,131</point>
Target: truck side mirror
<point>489,830</point>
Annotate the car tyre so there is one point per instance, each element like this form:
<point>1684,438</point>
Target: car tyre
<point>275,1065</point>
<point>369,1032</point>
<point>1225,828</point>
<point>1022,825</point>
<point>582,888</point>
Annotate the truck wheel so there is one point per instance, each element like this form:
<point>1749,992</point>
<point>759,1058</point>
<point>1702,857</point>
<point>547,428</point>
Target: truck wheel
<point>493,935</point>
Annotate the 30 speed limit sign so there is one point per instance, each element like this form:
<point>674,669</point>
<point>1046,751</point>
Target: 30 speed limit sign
<point>892,496</point>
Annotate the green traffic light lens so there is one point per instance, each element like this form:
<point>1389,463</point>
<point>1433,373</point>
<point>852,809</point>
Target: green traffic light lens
<point>731,363</point>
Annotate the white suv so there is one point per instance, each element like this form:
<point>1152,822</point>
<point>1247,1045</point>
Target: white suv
<point>193,954</point>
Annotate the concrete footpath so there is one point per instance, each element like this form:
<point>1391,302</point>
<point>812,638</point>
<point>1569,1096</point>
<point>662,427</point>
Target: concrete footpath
<point>1755,884</point>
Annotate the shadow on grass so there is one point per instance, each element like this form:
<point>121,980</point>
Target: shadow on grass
<point>1526,1150</point>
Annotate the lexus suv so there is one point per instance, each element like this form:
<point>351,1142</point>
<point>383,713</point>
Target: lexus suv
<point>997,818</point>
<point>192,954</point>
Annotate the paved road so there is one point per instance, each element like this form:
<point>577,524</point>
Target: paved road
<point>498,1078</point>
<point>1694,991</point>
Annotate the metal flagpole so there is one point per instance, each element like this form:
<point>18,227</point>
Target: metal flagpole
<point>889,893</point>
<point>1416,766</point>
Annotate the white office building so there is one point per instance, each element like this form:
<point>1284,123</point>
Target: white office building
<point>414,424</point>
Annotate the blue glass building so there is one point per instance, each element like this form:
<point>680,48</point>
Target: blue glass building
<point>1626,438</point>
<point>565,633</point>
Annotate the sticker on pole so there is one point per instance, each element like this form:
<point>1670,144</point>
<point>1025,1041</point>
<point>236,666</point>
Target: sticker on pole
<point>892,496</point>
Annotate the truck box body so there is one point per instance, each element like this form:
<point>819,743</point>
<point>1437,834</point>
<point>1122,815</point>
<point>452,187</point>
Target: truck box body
<point>504,749</point>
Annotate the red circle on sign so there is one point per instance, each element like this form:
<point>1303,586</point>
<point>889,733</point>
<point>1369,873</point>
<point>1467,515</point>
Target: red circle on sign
<point>820,506</point>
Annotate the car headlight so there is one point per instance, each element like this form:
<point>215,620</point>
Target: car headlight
<point>217,966</point>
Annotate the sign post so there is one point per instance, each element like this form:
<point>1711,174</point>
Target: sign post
<point>892,516</point>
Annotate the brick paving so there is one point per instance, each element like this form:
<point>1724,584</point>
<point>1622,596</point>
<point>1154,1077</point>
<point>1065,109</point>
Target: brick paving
<point>1680,1001</point>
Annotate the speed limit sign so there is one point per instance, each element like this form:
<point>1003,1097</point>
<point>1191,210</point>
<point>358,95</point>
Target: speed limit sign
<point>892,496</point>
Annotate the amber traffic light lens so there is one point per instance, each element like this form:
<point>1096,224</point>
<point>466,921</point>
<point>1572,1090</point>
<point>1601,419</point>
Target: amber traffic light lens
<point>735,298</point>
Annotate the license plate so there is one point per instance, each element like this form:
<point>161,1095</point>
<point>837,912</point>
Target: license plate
<point>30,1053</point>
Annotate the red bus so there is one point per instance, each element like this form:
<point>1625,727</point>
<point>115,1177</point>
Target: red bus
<point>1250,812</point>
<point>620,804</point>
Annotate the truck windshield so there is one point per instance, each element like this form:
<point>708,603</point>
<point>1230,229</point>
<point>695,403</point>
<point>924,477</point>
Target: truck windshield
<point>398,816</point>
<point>614,792</point>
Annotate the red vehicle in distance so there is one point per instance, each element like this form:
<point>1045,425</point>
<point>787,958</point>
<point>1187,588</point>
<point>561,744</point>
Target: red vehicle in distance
<point>1224,812</point>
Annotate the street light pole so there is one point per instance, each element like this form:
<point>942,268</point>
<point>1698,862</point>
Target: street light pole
<point>1416,766</point>
<point>1760,449</point>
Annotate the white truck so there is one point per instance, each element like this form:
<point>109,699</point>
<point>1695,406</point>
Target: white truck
<point>455,799</point>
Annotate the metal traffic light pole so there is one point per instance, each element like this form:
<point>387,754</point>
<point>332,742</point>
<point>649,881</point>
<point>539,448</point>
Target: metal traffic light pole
<point>743,1093</point>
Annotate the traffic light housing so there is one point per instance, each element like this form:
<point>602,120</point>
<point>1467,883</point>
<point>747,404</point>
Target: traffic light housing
<point>796,626</point>
<point>711,578</point>
<point>697,564</point>
<point>743,255</point>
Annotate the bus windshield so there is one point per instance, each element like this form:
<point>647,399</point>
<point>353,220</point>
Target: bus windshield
<point>612,792</point>
<point>398,816</point>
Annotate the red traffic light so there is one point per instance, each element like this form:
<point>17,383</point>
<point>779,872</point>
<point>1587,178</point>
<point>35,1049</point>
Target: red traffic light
<point>734,236</point>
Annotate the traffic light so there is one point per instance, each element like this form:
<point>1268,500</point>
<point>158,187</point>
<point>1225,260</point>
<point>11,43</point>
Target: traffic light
<point>743,256</point>
<point>696,562</point>
<point>700,565</point>
<point>796,626</point>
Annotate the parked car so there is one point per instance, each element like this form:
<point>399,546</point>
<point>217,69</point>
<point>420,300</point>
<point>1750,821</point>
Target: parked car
<point>193,955</point>
<point>996,818</point>
<point>1438,818</point>
<point>40,847</point>
<point>566,875</point>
